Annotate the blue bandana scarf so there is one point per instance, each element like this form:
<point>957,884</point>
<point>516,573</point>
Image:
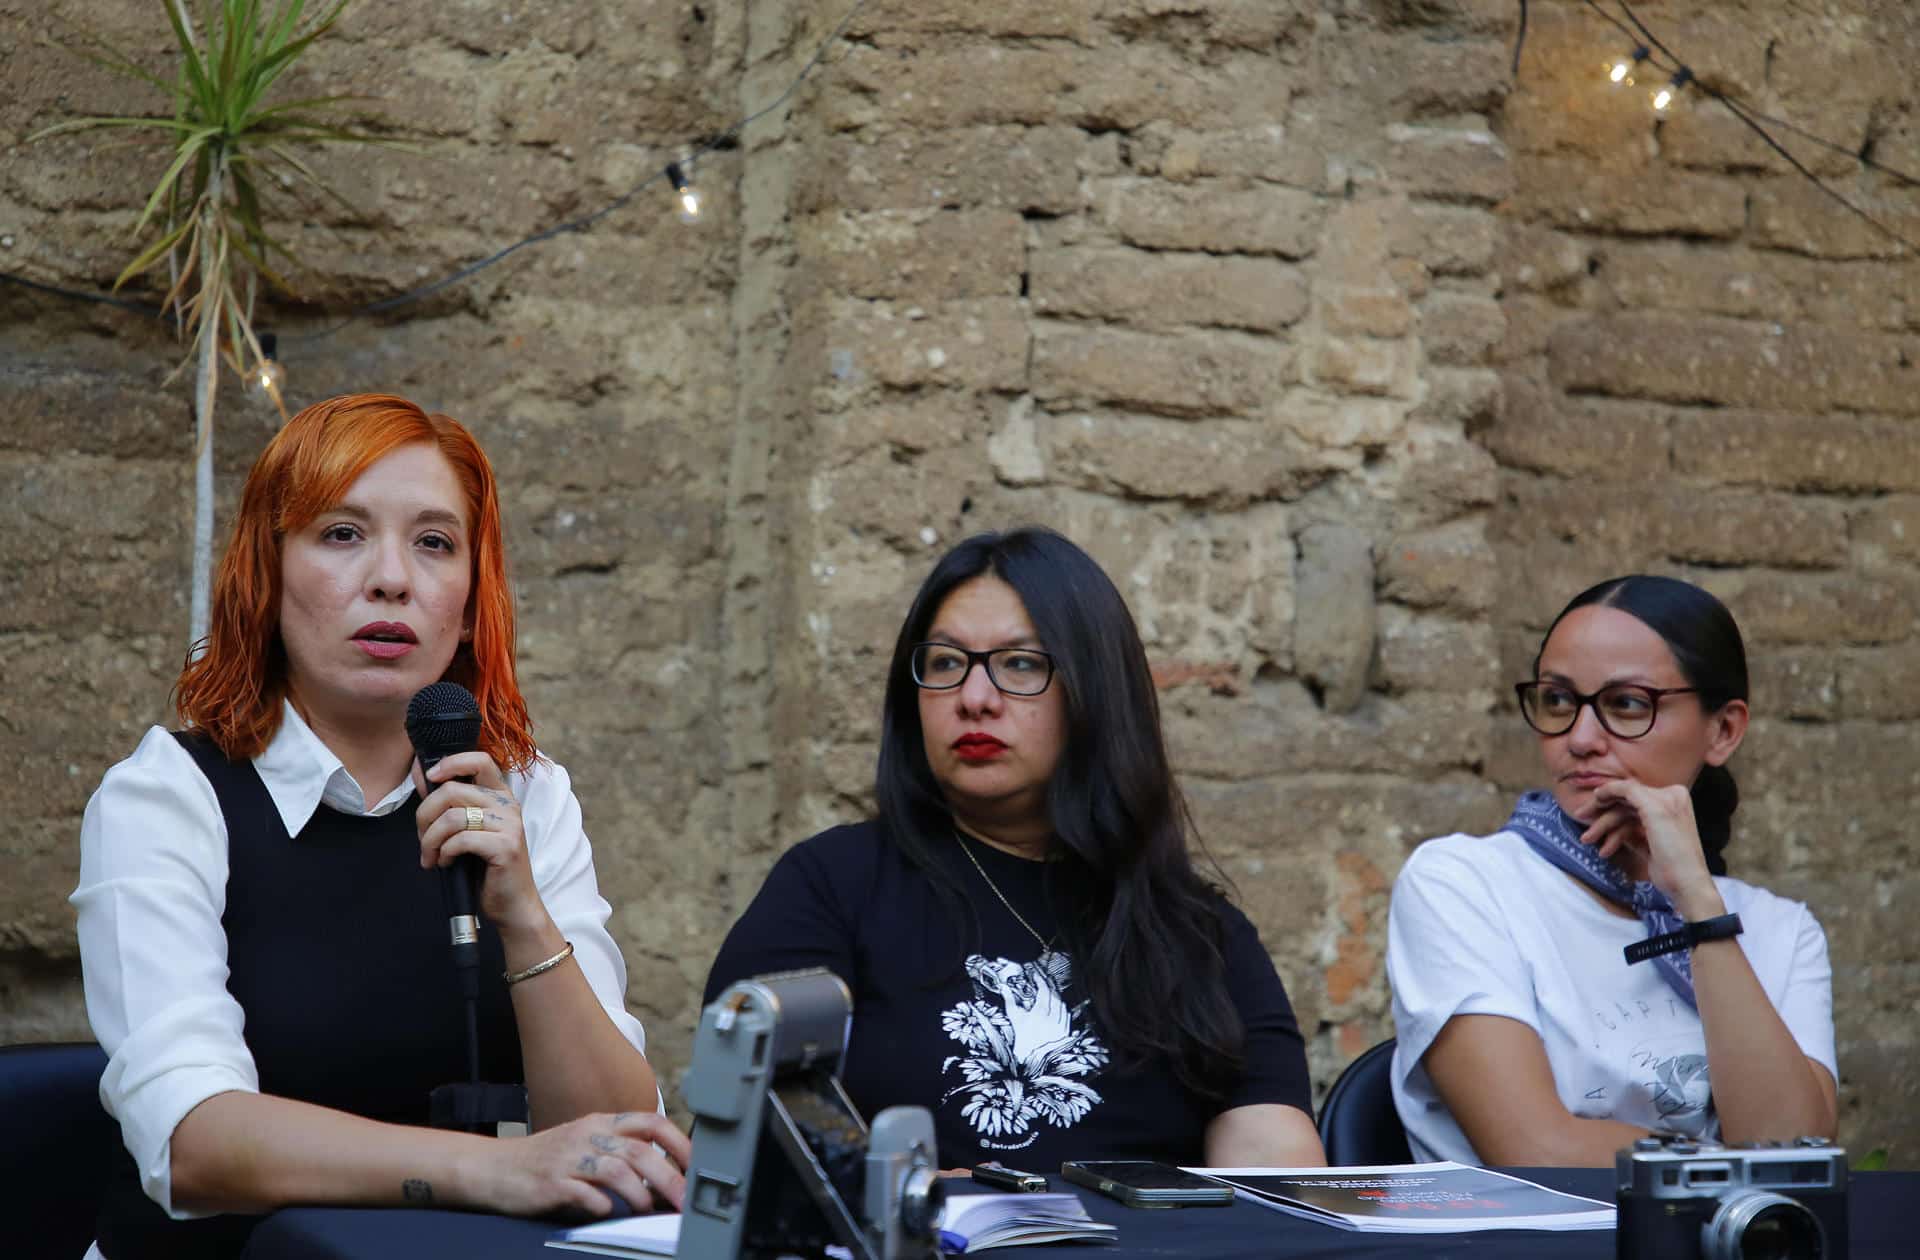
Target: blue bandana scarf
<point>1555,836</point>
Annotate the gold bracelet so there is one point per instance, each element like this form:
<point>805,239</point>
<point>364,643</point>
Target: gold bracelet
<point>515,977</point>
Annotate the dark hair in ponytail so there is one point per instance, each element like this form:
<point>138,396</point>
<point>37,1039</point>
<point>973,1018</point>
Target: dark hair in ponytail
<point>1706,644</point>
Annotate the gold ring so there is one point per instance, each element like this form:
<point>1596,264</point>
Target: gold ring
<point>476,820</point>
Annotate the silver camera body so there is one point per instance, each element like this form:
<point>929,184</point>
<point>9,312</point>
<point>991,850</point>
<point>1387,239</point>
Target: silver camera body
<point>1681,1198</point>
<point>782,1164</point>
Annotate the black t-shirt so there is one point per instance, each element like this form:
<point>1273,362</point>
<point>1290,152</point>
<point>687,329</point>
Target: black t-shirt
<point>970,1019</point>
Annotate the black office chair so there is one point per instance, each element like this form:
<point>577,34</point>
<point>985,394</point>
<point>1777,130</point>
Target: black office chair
<point>56,1147</point>
<point>1358,1124</point>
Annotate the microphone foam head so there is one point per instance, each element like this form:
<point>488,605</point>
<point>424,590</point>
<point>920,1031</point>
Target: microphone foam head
<point>443,718</point>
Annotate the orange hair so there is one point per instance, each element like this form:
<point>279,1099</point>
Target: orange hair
<point>234,690</point>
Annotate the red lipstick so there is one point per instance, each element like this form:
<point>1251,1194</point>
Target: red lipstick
<point>386,639</point>
<point>978,746</point>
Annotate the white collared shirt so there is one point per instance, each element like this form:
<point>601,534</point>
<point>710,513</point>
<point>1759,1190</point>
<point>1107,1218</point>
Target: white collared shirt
<point>153,887</point>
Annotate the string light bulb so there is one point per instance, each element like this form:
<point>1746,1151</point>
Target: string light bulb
<point>687,195</point>
<point>269,375</point>
<point>1621,69</point>
<point>1667,94</point>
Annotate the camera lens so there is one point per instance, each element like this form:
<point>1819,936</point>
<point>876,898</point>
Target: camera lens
<point>922,1195</point>
<point>1756,1225</point>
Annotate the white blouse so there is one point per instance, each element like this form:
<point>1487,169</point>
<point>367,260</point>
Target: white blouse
<point>153,887</point>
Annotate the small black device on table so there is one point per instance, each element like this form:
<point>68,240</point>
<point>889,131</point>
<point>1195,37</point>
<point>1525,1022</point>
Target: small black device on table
<point>1145,1184</point>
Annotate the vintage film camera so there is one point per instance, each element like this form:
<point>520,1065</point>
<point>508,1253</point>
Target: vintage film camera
<point>782,1165</point>
<point>1680,1199</point>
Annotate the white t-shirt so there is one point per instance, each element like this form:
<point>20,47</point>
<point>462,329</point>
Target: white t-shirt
<point>153,885</point>
<point>1483,925</point>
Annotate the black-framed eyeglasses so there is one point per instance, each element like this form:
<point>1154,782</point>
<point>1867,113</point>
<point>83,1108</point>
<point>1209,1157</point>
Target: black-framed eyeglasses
<point>1014,670</point>
<point>1626,710</point>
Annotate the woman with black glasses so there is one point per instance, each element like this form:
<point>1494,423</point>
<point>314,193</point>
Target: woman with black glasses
<point>1033,955</point>
<point>1589,975</point>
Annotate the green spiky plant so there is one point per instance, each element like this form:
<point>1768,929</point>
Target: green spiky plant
<point>226,144</point>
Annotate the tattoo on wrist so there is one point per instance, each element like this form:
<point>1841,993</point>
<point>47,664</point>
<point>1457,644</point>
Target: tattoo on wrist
<point>415,1190</point>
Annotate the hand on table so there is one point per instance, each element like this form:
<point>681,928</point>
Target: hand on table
<point>570,1166</point>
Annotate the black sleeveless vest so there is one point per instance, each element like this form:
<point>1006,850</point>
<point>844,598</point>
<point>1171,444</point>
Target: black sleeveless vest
<point>337,952</point>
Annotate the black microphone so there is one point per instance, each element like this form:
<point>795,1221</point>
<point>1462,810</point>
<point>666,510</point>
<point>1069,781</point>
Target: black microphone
<point>443,719</point>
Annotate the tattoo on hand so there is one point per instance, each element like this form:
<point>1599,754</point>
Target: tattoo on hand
<point>604,1144</point>
<point>587,1164</point>
<point>414,1190</point>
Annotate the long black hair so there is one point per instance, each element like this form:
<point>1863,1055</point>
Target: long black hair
<point>1143,925</point>
<point>1706,644</point>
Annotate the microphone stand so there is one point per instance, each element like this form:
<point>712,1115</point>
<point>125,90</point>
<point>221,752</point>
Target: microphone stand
<point>473,1106</point>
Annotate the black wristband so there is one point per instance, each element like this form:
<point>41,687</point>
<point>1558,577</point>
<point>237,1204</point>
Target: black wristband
<point>1716,929</point>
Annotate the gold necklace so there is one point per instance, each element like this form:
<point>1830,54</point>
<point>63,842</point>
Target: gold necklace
<point>1046,943</point>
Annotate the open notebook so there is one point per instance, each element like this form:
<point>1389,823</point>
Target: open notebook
<point>971,1223</point>
<point>1440,1198</point>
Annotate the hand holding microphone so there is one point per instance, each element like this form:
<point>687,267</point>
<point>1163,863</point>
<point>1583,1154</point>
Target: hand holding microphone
<point>468,820</point>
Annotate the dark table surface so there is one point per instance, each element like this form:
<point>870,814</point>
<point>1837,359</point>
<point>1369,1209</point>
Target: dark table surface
<point>1881,1221</point>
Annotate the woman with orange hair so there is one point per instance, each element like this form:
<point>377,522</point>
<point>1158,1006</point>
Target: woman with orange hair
<point>261,932</point>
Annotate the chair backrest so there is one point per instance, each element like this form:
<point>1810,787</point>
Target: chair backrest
<point>1358,1124</point>
<point>56,1147</point>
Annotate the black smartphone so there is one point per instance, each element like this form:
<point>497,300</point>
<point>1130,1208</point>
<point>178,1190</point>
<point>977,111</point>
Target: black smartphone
<point>1142,1183</point>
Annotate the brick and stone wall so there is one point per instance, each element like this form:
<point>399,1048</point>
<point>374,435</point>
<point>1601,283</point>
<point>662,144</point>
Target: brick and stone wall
<point>1348,354</point>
